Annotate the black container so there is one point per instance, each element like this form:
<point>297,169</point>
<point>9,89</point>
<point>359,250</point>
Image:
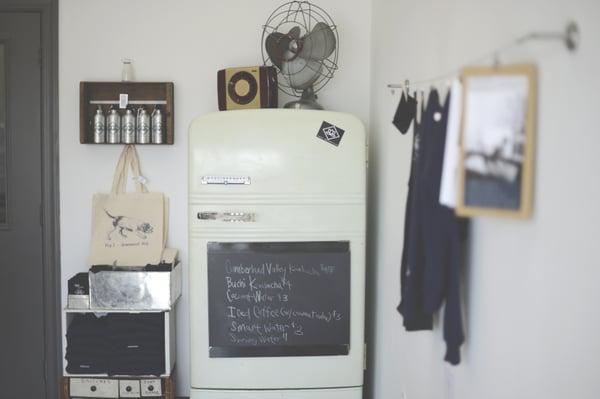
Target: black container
<point>79,284</point>
<point>116,344</point>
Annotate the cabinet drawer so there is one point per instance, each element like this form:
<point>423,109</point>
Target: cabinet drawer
<point>129,388</point>
<point>94,388</point>
<point>151,387</point>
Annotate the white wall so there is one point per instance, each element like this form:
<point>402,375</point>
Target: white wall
<point>531,291</point>
<point>184,41</point>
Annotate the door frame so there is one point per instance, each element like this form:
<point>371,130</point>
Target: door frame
<point>48,12</point>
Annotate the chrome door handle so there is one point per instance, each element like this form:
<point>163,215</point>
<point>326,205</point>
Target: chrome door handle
<point>227,216</point>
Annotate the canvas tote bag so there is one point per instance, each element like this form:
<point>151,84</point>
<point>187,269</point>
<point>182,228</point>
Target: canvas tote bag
<point>128,228</point>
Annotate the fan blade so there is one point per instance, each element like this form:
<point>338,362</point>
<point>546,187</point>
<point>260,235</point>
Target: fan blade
<point>276,45</point>
<point>301,73</point>
<point>294,32</point>
<point>319,43</point>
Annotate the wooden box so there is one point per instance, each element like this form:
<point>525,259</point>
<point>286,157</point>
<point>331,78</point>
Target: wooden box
<point>107,94</point>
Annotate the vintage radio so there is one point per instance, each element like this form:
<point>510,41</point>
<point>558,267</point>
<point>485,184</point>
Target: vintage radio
<point>247,87</point>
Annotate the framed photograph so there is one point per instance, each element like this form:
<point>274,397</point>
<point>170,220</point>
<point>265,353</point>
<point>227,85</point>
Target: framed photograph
<point>497,141</point>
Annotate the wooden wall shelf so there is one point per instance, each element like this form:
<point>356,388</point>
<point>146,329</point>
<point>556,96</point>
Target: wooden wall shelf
<point>106,94</point>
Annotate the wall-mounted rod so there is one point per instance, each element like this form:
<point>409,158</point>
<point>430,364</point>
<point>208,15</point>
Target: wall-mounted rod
<point>135,102</point>
<point>569,36</point>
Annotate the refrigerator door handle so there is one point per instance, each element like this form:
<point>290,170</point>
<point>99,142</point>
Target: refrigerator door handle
<point>227,216</point>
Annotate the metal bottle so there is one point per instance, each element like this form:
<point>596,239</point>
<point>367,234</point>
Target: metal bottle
<point>128,127</point>
<point>143,126</point>
<point>157,126</point>
<point>99,126</point>
<point>113,127</point>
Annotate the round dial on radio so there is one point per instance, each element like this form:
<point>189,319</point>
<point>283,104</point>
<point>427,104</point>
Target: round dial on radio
<point>242,87</point>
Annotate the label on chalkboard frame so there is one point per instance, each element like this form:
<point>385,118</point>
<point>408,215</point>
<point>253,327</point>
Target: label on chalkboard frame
<point>269,299</point>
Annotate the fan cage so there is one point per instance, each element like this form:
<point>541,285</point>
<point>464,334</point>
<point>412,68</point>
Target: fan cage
<point>305,15</point>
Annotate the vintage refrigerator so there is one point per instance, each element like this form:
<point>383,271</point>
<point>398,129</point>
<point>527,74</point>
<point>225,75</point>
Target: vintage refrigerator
<point>277,221</point>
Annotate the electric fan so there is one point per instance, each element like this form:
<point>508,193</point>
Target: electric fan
<point>300,41</point>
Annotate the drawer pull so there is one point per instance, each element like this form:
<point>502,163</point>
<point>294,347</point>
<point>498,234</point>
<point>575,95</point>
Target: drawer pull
<point>93,388</point>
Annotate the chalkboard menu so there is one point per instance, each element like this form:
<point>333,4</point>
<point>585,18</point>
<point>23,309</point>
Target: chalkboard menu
<point>279,299</point>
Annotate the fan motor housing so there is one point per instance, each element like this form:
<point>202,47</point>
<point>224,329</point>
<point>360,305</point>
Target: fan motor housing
<point>247,87</point>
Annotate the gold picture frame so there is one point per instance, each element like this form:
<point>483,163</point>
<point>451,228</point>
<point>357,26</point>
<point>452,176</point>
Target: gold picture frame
<point>495,175</point>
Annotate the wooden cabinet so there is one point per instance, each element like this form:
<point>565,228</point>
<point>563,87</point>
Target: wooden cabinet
<point>127,387</point>
<point>119,95</point>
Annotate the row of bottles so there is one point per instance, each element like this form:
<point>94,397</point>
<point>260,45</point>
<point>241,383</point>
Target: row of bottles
<point>130,128</point>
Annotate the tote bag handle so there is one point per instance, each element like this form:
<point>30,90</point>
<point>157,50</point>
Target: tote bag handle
<point>128,158</point>
<point>119,170</point>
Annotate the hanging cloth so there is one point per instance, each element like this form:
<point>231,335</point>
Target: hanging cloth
<point>410,307</point>
<point>405,112</point>
<point>449,183</point>
<point>432,272</point>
